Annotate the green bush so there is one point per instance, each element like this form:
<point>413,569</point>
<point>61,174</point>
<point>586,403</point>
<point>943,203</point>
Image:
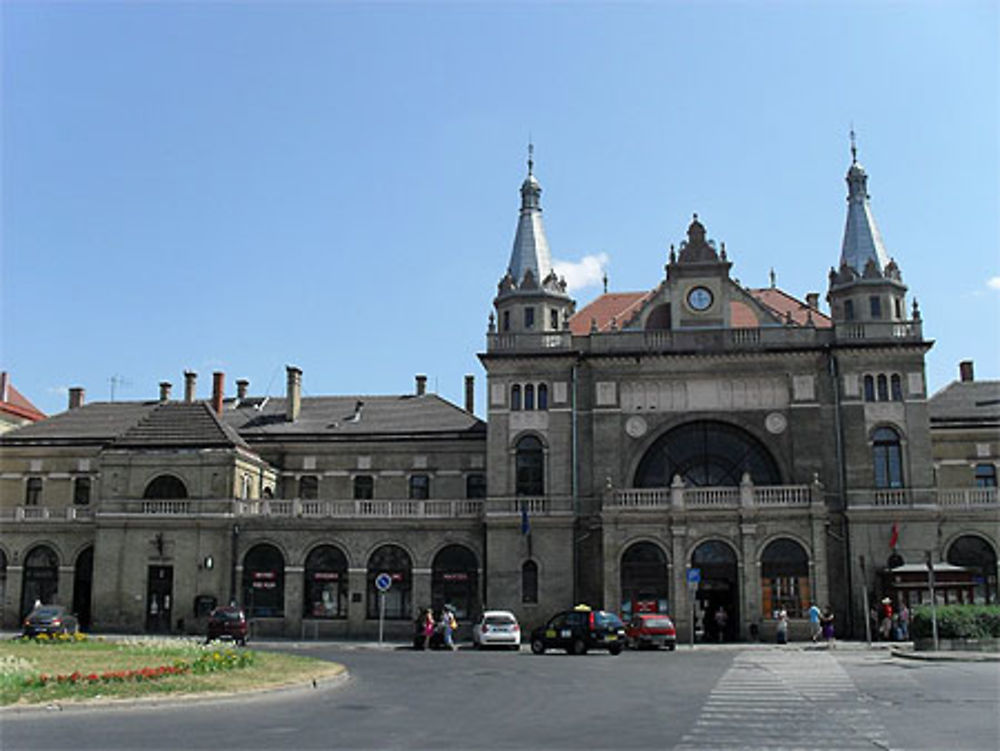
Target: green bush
<point>957,622</point>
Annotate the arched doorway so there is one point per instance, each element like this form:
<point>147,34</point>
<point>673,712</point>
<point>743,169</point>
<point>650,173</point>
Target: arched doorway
<point>41,578</point>
<point>326,583</point>
<point>165,487</point>
<point>784,579</point>
<point>394,561</point>
<point>455,581</point>
<point>706,453</point>
<point>718,590</point>
<point>977,554</point>
<point>264,582</point>
<point>83,575</point>
<point>644,579</point>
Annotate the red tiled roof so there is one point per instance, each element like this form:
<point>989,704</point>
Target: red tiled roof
<point>616,305</point>
<point>17,404</point>
<point>781,303</point>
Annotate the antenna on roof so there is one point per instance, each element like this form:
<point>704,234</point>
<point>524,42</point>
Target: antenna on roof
<point>774,278</point>
<point>117,381</point>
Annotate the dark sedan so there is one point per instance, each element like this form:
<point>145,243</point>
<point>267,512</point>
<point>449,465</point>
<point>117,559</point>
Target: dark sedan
<point>50,620</point>
<point>228,622</point>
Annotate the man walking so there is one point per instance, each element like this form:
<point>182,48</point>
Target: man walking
<point>815,629</point>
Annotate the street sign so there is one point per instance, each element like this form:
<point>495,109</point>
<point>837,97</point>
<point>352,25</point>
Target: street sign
<point>382,582</point>
<point>694,575</point>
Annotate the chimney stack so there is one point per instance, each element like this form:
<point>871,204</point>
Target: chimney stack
<point>76,397</point>
<point>812,300</point>
<point>4,386</point>
<point>165,387</point>
<point>421,385</point>
<point>293,393</point>
<point>218,387</point>
<point>470,393</point>
<point>241,388</point>
<point>965,371</point>
<point>190,379</point>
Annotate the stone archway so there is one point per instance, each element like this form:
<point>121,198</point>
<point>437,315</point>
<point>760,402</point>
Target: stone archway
<point>719,588</point>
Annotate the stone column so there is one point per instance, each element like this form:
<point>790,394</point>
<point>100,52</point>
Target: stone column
<point>294,581</point>
<point>12,596</point>
<point>421,592</point>
<point>750,593</point>
<point>357,579</point>
<point>679,591</point>
<point>65,592</point>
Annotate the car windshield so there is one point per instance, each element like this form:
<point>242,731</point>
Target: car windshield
<point>603,618</point>
<point>226,615</point>
<point>656,622</point>
<point>499,620</point>
<point>47,612</point>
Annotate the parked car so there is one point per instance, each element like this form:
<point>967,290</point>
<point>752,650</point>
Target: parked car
<point>228,622</point>
<point>50,620</point>
<point>651,630</point>
<point>579,630</point>
<point>497,628</point>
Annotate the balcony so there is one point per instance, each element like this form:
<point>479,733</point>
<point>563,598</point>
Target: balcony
<point>879,331</point>
<point>942,498</point>
<point>362,509</point>
<point>532,505</point>
<point>47,514</point>
<point>679,498</point>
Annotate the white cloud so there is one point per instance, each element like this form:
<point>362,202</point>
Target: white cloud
<point>993,282</point>
<point>586,272</point>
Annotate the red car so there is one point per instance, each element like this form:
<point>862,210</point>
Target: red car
<point>651,630</point>
<point>227,622</point>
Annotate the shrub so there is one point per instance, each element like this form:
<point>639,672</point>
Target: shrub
<point>957,622</point>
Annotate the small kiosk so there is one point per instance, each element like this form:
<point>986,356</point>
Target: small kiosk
<point>908,583</point>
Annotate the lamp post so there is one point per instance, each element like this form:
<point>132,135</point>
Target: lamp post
<point>234,544</point>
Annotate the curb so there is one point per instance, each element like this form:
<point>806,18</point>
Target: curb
<point>947,656</point>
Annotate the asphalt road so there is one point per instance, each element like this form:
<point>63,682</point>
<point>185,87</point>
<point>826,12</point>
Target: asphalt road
<point>711,698</point>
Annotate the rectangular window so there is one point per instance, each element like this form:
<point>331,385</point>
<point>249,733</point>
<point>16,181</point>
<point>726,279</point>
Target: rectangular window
<point>529,318</point>
<point>364,488</point>
<point>986,476</point>
<point>309,487</point>
<point>81,491</point>
<point>33,491</point>
<point>876,306</point>
<point>788,593</point>
<point>899,308</point>
<point>848,310</point>
<point>554,319</point>
<point>506,320</point>
<point>420,487</point>
<point>475,486</point>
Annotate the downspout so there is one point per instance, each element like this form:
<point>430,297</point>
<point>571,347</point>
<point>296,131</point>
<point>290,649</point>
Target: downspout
<point>573,489</point>
<point>842,486</point>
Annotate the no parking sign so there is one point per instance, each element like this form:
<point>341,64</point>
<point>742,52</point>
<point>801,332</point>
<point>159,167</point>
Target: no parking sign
<point>382,582</point>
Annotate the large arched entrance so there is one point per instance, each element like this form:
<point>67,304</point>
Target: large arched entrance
<point>977,554</point>
<point>455,581</point>
<point>41,578</point>
<point>396,562</point>
<point>784,579</point>
<point>264,582</point>
<point>165,487</point>
<point>644,579</point>
<point>718,594</point>
<point>706,453</point>
<point>325,583</point>
<point>83,575</point>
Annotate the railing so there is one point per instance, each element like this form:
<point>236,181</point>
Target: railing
<point>361,509</point>
<point>783,496</point>
<point>532,505</point>
<point>541,341</point>
<point>879,330</point>
<point>47,514</point>
<point>714,339</point>
<point>951,498</point>
<point>968,497</point>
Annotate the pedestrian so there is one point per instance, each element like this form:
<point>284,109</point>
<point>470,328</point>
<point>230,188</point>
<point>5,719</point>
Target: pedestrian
<point>885,625</point>
<point>904,622</point>
<point>447,625</point>
<point>428,627</point>
<point>814,625</point>
<point>828,624</point>
<point>781,633</point>
<point>721,619</point>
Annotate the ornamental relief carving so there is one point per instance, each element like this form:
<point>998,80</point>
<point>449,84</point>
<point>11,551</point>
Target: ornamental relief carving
<point>705,394</point>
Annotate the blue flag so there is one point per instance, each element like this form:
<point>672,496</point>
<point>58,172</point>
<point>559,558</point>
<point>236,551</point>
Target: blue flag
<point>525,524</point>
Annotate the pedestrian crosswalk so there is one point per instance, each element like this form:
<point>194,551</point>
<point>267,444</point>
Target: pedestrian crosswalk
<point>785,699</point>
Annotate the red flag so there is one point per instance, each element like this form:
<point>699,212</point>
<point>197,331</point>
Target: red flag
<point>894,537</point>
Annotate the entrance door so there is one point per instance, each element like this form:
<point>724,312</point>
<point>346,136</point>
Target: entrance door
<point>82,577</point>
<point>159,597</point>
<point>718,594</point>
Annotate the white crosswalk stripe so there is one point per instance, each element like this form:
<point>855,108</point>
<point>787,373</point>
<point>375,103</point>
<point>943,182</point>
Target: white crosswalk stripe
<point>782,700</point>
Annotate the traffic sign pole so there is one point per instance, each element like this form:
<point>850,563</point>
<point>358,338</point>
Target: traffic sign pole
<point>382,583</point>
<point>693,578</point>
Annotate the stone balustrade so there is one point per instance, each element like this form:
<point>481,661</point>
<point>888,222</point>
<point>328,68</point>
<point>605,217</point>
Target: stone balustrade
<point>680,497</point>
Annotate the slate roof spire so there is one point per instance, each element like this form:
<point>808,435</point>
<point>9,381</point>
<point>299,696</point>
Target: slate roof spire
<point>531,248</point>
<point>862,240</point>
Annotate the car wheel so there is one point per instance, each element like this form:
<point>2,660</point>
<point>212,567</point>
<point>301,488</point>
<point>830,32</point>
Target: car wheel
<point>615,649</point>
<point>538,646</point>
<point>579,647</point>
<point>671,647</point>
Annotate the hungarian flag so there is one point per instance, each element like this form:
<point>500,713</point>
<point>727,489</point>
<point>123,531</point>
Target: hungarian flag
<point>894,537</point>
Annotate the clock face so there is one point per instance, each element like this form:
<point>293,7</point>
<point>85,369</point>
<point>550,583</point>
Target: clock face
<point>700,298</point>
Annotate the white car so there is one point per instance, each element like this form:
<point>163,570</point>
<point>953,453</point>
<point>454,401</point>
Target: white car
<point>497,628</point>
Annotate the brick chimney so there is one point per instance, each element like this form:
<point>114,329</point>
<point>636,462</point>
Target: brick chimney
<point>76,397</point>
<point>421,385</point>
<point>218,389</point>
<point>293,393</point>
<point>165,387</point>
<point>812,300</point>
<point>965,371</point>
<point>241,388</point>
<point>4,386</point>
<point>470,393</point>
<point>190,381</point>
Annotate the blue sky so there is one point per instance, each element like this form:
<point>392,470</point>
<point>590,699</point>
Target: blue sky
<point>240,186</point>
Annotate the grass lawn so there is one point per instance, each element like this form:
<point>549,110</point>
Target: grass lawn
<point>23,662</point>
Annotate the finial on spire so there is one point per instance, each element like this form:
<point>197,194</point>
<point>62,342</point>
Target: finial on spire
<point>531,155</point>
<point>774,278</point>
<point>605,282</point>
<point>854,147</point>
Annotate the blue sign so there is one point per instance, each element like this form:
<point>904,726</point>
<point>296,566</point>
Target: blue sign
<point>382,582</point>
<point>694,575</point>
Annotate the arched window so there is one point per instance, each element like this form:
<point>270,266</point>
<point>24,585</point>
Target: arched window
<point>543,396</point>
<point>896,384</point>
<point>394,561</point>
<point>645,582</point>
<point>975,553</point>
<point>264,582</point>
<point>529,582</point>
<point>40,578</point>
<point>326,583</point>
<point>165,487</point>
<point>475,486</point>
<point>308,487</point>
<point>869,389</point>
<point>883,388</point>
<point>364,487</point>
<point>455,581</point>
<point>515,397</point>
<point>706,453</point>
<point>887,457</point>
<point>529,465</point>
<point>784,578</point>
<point>529,396</point>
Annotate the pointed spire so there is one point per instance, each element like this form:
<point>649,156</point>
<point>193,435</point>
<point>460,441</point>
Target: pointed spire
<point>531,248</point>
<point>862,241</point>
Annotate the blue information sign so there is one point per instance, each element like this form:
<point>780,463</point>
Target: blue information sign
<point>694,575</point>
